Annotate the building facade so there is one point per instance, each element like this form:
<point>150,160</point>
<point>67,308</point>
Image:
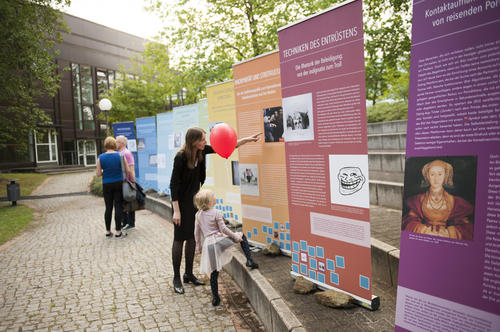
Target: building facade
<point>89,60</point>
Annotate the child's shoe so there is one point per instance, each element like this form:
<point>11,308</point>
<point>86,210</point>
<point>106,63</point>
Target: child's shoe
<point>251,264</point>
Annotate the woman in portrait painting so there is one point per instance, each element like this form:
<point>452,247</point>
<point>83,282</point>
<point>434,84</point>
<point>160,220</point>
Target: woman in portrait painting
<point>437,212</point>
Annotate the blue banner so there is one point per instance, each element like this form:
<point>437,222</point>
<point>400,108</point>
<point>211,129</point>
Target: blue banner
<point>127,129</point>
<point>165,134</point>
<point>147,152</point>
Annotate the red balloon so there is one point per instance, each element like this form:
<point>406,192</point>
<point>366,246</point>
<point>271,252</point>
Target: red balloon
<point>223,139</point>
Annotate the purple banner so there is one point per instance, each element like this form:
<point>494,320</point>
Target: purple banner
<point>449,269</point>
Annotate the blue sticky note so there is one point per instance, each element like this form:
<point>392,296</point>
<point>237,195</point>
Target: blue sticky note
<point>264,229</point>
<point>282,236</point>
<point>303,245</point>
<point>303,269</point>
<point>288,236</point>
<point>339,261</point>
<point>288,247</point>
<point>295,257</point>
<point>364,282</point>
<point>282,245</point>
<point>321,277</point>
<point>313,263</point>
<point>270,230</point>
<point>295,268</point>
<point>295,246</point>
<point>236,217</point>
<point>249,235</point>
<point>312,274</point>
<point>320,253</point>
<point>276,225</point>
<point>255,231</point>
<point>287,225</point>
<point>312,251</point>
<point>231,208</point>
<point>217,200</point>
<point>269,240</point>
<point>221,201</point>
<point>334,278</point>
<point>330,265</point>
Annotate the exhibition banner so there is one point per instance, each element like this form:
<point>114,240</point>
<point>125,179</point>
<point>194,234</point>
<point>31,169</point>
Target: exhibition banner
<point>449,268</point>
<point>165,134</point>
<point>147,152</point>
<point>127,129</point>
<point>262,167</point>
<point>323,88</point>
<point>184,117</point>
<point>222,174</point>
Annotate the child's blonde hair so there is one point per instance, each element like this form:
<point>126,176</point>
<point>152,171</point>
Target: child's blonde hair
<point>203,199</point>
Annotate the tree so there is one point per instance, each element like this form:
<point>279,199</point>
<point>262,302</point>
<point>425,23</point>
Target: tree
<point>29,31</point>
<point>206,38</point>
<point>205,41</point>
<point>149,88</point>
<point>387,45</point>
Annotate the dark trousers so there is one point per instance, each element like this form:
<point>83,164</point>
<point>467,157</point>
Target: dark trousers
<point>113,197</point>
<point>129,218</point>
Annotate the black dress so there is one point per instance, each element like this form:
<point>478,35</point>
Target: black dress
<point>184,184</point>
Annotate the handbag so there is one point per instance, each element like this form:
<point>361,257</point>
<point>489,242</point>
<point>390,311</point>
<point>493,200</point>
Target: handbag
<point>139,203</point>
<point>128,188</point>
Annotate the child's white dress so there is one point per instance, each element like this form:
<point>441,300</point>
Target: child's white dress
<point>214,239</point>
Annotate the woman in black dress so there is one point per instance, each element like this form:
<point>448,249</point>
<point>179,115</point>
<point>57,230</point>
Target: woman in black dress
<point>188,175</point>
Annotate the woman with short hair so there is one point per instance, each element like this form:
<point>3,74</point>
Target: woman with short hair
<point>109,166</point>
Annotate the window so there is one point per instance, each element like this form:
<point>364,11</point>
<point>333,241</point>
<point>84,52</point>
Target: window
<point>46,145</point>
<point>105,81</point>
<point>83,96</point>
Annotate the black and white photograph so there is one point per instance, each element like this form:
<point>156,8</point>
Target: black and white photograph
<point>141,144</point>
<point>349,180</point>
<point>177,140</point>
<point>273,124</point>
<point>298,120</point>
<point>235,170</point>
<point>249,179</point>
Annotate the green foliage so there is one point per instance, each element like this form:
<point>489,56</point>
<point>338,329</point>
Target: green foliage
<point>387,25</point>
<point>13,220</point>
<point>29,31</point>
<point>96,186</point>
<point>149,91</point>
<point>206,42</point>
<point>27,182</point>
<point>387,111</point>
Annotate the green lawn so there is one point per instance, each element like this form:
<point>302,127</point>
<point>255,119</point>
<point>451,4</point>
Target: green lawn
<point>27,181</point>
<point>14,219</point>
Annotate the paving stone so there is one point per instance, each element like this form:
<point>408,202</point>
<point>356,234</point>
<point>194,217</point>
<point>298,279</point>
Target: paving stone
<point>63,273</point>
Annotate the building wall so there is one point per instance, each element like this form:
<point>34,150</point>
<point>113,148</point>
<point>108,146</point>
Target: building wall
<point>93,45</point>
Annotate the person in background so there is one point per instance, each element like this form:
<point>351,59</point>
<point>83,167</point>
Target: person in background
<point>188,175</point>
<point>217,239</point>
<point>109,167</point>
<point>128,222</point>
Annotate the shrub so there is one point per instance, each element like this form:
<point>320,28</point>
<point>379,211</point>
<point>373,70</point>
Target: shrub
<point>387,112</point>
<point>96,186</point>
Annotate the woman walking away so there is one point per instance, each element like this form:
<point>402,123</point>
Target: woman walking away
<point>217,240</point>
<point>109,166</point>
<point>188,175</point>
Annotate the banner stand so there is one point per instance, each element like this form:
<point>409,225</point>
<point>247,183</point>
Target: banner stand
<point>372,305</point>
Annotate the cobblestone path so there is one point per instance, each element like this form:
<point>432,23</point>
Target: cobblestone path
<point>64,274</point>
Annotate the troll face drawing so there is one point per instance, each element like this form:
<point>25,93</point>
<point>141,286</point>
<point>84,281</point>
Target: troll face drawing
<point>351,180</point>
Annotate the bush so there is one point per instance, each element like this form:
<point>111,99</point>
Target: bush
<point>96,186</point>
<point>387,112</point>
